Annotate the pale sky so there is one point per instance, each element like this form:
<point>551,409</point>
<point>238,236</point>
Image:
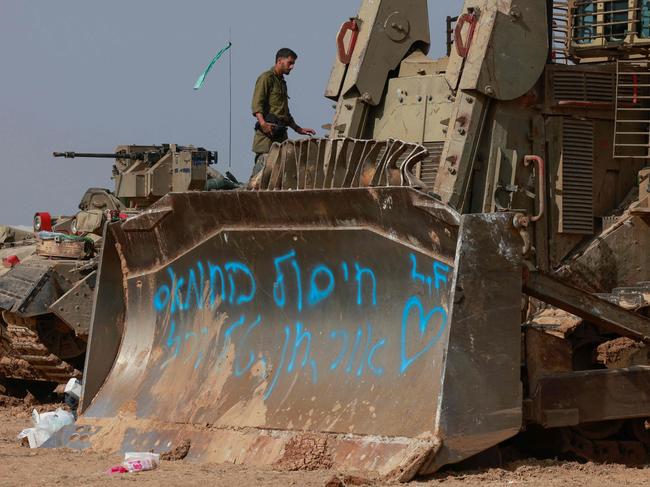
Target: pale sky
<point>86,76</point>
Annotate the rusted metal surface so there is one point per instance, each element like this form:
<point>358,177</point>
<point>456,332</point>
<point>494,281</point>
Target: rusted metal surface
<point>546,353</point>
<point>107,321</point>
<point>29,288</point>
<point>606,315</point>
<point>481,402</point>
<point>598,268</point>
<point>75,306</point>
<point>251,321</point>
<point>340,163</point>
<point>571,398</point>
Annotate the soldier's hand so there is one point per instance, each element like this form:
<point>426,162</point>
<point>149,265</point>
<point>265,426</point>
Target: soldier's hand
<point>267,128</point>
<point>302,131</point>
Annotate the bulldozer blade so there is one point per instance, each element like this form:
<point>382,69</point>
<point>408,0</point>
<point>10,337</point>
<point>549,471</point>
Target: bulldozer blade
<point>370,330</point>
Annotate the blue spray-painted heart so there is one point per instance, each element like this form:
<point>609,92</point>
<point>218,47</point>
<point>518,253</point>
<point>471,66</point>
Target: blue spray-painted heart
<point>426,320</point>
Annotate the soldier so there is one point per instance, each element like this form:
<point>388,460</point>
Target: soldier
<point>271,107</point>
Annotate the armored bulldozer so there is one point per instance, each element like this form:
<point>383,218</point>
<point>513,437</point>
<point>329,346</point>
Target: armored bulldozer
<point>463,260</point>
<point>48,276</point>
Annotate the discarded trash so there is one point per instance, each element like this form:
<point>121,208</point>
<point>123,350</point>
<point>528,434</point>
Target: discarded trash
<point>72,393</point>
<point>45,425</point>
<point>136,462</point>
<point>73,387</point>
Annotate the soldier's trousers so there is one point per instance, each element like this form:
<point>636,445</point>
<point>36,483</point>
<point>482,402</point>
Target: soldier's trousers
<point>260,160</point>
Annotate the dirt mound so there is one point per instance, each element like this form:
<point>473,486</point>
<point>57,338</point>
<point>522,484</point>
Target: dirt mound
<point>10,402</point>
<point>18,407</point>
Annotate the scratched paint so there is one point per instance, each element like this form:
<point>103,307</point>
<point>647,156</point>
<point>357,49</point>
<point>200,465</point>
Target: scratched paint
<point>296,321</point>
<point>356,350</point>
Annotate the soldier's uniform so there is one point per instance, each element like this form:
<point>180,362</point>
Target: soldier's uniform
<point>271,99</point>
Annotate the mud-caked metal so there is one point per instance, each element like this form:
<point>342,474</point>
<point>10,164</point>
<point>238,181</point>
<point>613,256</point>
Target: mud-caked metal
<point>323,324</point>
<point>464,258</point>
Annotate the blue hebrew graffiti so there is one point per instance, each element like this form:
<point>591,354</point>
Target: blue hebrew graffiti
<point>437,317</point>
<point>316,293</point>
<point>288,318</point>
<point>279,291</point>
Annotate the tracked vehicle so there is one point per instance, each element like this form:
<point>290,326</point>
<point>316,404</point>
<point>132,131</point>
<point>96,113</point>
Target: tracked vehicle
<point>463,259</point>
<point>47,279</point>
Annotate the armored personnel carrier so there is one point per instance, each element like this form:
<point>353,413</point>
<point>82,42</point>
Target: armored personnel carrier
<point>48,276</point>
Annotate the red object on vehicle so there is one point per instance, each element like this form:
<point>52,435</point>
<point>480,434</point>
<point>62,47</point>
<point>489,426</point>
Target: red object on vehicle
<point>42,222</point>
<point>10,261</point>
<point>124,216</point>
<point>345,55</point>
<point>462,46</point>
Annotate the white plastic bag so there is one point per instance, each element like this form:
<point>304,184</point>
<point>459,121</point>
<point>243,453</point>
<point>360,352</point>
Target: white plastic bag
<point>45,425</point>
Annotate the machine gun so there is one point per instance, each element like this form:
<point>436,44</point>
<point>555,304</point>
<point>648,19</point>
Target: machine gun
<point>143,174</point>
<point>131,153</point>
<point>99,155</point>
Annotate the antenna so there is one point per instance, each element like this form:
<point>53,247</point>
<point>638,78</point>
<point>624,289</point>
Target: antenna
<point>230,98</point>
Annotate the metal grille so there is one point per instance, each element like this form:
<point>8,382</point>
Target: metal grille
<point>340,163</point>
<point>429,166</point>
<point>574,84</point>
<point>632,130</point>
<point>577,176</point>
<point>609,21</point>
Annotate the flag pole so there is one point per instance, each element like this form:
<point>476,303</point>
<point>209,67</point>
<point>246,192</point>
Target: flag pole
<point>230,98</point>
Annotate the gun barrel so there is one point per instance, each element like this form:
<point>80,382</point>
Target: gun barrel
<point>133,156</point>
<point>96,155</point>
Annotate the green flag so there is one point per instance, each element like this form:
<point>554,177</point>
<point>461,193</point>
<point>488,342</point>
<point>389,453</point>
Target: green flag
<point>201,80</point>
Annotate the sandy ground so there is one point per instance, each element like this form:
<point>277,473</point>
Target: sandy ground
<point>21,466</point>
